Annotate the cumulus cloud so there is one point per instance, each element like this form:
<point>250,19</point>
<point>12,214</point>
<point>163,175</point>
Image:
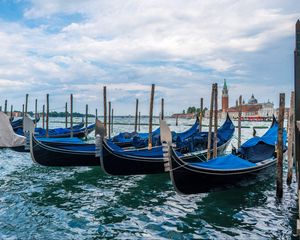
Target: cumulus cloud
<point>183,46</point>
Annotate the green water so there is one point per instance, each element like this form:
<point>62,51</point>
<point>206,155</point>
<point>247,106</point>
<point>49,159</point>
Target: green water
<point>84,203</point>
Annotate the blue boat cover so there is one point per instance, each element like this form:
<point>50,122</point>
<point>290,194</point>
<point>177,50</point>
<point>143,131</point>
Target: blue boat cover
<point>198,141</point>
<point>270,137</point>
<point>128,137</point>
<point>224,163</point>
<point>41,132</point>
<point>140,142</point>
<point>257,149</point>
<point>188,133</point>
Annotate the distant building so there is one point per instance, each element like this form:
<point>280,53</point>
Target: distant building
<point>225,98</point>
<point>250,110</point>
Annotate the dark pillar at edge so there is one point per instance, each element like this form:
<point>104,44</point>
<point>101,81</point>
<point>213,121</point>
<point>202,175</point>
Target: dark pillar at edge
<point>297,95</point>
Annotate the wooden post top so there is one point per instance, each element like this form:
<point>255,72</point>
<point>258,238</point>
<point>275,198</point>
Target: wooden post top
<point>297,49</point>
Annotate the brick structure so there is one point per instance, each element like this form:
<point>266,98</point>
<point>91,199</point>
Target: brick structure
<point>225,99</point>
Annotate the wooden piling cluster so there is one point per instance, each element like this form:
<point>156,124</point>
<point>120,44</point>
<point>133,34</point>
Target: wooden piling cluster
<point>139,122</point>
<point>109,119</point>
<point>86,119</point>
<point>66,113</point>
<point>43,119</point>
<point>47,115</point>
<point>151,116</point>
<point>279,147</point>
<point>201,115</point>
<point>291,138</point>
<point>297,112</point>
<point>213,116</point>
<point>136,115</point>
<point>26,103</point>
<point>239,121</point>
<point>5,107</point>
<point>71,114</point>
<point>162,109</point>
<point>105,110</point>
<point>112,120</point>
<point>215,121</point>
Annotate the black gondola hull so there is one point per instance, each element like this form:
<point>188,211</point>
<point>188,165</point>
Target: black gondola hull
<point>59,157</point>
<point>189,180</point>
<point>114,163</point>
<point>117,164</point>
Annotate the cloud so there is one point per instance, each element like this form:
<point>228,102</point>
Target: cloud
<point>181,46</point>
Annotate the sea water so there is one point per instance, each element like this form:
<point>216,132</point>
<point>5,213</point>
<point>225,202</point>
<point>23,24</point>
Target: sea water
<point>83,203</point>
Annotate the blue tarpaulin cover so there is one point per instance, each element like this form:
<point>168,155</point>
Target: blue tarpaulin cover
<point>226,162</point>
<point>270,137</point>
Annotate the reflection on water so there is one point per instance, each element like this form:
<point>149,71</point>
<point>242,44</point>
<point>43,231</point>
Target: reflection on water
<point>84,203</point>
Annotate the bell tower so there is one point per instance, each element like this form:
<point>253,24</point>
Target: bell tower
<point>225,99</point>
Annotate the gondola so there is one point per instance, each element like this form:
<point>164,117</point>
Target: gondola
<point>255,159</point>
<point>18,123</point>
<point>140,140</point>
<point>78,131</point>
<point>61,154</point>
<point>117,161</point>
<point>127,139</point>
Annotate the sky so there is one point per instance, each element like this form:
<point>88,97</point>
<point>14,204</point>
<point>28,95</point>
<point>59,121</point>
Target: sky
<point>74,46</point>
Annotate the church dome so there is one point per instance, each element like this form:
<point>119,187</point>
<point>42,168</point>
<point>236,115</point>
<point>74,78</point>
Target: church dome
<point>252,100</point>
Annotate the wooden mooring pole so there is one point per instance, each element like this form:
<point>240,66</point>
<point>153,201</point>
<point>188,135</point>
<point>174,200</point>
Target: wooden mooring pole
<point>47,116</point>
<point>105,110</point>
<point>215,149</point>
<point>201,115</point>
<point>26,103</point>
<point>279,184</point>
<point>11,112</point>
<point>112,121</point>
<point>96,113</point>
<point>162,108</point>
<point>210,123</point>
<point>109,119</point>
<point>139,122</point>
<point>66,113</point>
<point>240,122</point>
<point>43,119</point>
<point>297,112</point>
<point>176,123</point>
<point>35,112</point>
<point>151,117</point>
<point>71,114</point>
<point>136,115</point>
<point>5,107</point>
<point>86,119</point>
<point>23,110</point>
<point>291,139</point>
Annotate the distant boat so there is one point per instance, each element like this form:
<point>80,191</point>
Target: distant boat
<point>255,158</point>
<point>18,123</point>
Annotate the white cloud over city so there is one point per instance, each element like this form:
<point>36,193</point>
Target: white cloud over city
<point>63,47</point>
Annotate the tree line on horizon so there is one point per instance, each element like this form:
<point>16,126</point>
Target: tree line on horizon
<point>193,110</point>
